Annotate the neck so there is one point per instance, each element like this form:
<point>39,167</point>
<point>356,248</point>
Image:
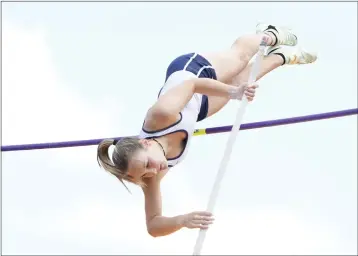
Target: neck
<point>161,145</point>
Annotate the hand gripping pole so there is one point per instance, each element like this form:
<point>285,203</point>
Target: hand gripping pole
<point>229,145</point>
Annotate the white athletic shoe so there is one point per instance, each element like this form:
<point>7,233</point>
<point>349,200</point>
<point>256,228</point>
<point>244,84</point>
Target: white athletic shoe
<point>284,36</point>
<point>292,55</point>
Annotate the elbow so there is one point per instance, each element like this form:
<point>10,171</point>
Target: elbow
<point>159,114</point>
<point>155,228</point>
<point>152,231</point>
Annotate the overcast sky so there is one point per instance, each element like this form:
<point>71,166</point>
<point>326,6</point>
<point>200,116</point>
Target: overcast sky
<point>75,71</point>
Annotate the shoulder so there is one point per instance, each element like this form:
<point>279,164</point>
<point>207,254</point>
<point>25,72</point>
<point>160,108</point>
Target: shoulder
<point>158,118</point>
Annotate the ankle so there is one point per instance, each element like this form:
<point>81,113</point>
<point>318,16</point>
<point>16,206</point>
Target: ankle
<point>272,38</point>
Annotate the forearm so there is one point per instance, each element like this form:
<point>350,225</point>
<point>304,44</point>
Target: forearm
<point>162,226</point>
<point>212,87</point>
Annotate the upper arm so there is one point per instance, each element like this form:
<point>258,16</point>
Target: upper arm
<point>173,101</point>
<point>153,200</point>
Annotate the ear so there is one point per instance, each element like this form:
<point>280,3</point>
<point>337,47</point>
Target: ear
<point>145,143</point>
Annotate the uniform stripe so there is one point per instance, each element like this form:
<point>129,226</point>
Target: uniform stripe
<point>198,132</point>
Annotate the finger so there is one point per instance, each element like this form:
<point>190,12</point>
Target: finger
<point>204,213</point>
<point>199,226</point>
<point>203,217</point>
<point>194,225</point>
<point>197,221</point>
<point>251,95</point>
<point>197,217</point>
<point>202,222</point>
<point>251,88</point>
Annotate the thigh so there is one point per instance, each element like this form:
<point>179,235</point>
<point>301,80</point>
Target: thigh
<point>227,64</point>
<point>227,67</point>
<point>209,106</point>
<point>215,104</point>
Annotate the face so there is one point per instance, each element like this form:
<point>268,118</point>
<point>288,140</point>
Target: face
<point>147,162</point>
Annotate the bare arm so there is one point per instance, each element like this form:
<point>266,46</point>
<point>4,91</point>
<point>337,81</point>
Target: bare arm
<point>162,226</point>
<point>158,225</point>
<point>173,101</point>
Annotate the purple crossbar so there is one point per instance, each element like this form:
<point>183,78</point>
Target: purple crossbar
<point>285,121</point>
<point>212,130</point>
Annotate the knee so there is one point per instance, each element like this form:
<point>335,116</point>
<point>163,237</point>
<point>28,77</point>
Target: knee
<point>242,50</point>
<point>245,47</point>
<point>242,54</point>
<point>245,40</point>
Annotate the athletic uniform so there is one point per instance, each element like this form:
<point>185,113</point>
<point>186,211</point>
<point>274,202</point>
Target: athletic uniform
<point>193,65</point>
<point>185,67</point>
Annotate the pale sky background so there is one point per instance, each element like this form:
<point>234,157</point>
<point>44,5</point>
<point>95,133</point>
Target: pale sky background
<point>76,71</point>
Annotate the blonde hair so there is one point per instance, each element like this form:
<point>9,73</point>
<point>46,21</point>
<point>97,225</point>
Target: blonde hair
<point>122,153</point>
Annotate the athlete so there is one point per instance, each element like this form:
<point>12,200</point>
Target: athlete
<point>197,85</point>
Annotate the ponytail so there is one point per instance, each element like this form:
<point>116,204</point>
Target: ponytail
<point>106,163</point>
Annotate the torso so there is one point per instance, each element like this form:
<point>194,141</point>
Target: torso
<point>179,132</point>
<point>176,140</point>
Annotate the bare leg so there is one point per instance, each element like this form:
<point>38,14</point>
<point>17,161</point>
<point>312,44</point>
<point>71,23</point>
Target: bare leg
<point>268,64</point>
<point>230,62</point>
